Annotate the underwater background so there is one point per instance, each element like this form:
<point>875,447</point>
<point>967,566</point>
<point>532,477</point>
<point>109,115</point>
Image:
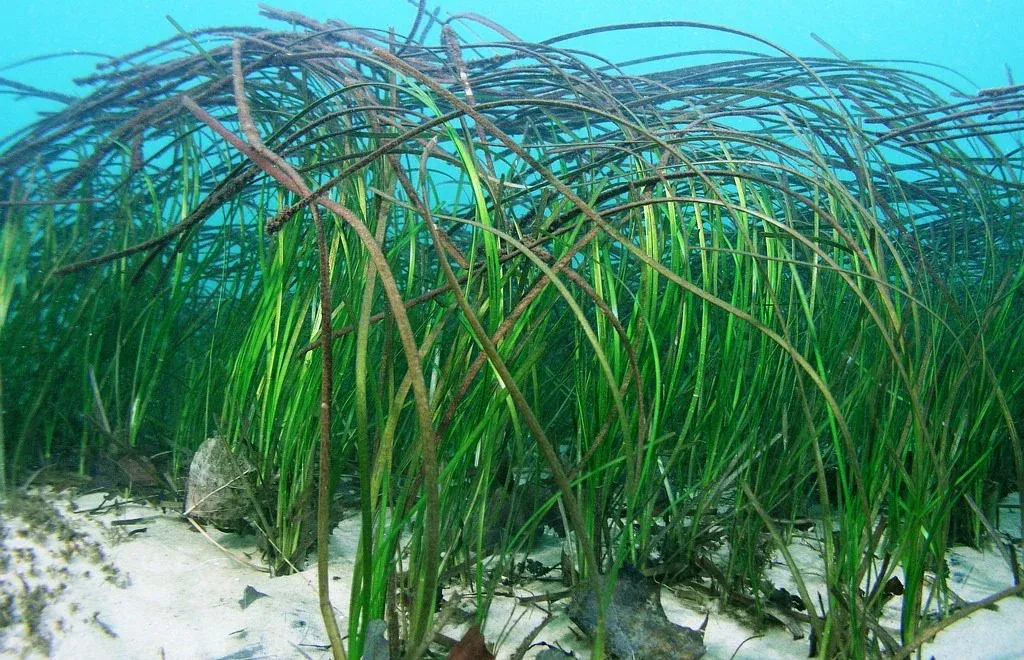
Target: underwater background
<point>976,38</point>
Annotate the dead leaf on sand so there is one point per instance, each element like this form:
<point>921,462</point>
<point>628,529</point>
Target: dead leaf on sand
<point>471,647</point>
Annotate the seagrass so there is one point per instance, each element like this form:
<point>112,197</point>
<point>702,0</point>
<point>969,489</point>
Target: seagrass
<point>684,299</point>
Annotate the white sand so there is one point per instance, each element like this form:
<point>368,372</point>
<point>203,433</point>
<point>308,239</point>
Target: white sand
<point>168,592</point>
<point>176,595</point>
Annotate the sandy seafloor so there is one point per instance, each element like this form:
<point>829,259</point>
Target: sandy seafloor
<point>86,584</point>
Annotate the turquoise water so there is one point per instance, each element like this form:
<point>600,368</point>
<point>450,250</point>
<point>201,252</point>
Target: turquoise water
<point>978,38</point>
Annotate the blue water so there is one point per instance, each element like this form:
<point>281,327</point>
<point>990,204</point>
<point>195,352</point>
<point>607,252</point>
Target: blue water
<point>978,38</point>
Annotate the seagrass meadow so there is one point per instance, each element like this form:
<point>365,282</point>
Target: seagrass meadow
<point>473,288</point>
